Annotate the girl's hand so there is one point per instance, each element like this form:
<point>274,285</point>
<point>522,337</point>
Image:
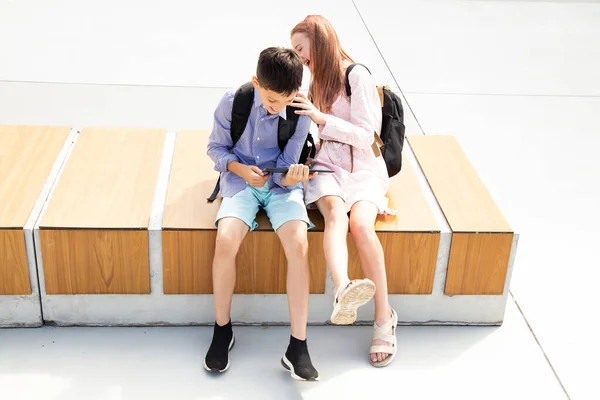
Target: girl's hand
<point>308,108</point>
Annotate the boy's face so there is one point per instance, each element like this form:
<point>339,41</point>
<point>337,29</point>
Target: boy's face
<point>274,102</point>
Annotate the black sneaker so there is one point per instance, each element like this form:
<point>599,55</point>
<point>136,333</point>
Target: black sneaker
<point>217,357</point>
<point>297,360</point>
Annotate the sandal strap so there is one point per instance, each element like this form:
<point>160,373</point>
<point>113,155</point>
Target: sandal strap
<point>340,291</point>
<point>383,349</point>
<point>386,337</point>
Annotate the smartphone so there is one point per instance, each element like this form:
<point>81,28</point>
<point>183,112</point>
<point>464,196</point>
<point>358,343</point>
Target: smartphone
<point>285,170</point>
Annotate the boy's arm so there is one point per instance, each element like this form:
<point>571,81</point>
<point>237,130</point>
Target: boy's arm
<point>219,142</point>
<point>293,149</point>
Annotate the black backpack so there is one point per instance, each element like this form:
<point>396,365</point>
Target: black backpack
<point>242,106</point>
<point>392,126</point>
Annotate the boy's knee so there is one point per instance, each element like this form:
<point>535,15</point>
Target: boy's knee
<point>295,239</point>
<point>299,249</point>
<point>228,242</point>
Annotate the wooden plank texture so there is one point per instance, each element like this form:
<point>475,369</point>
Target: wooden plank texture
<point>94,261</point>
<point>465,201</point>
<point>478,263</point>
<point>27,154</point>
<point>481,238</point>
<point>191,181</point>
<point>410,260</point>
<point>108,181</point>
<point>14,272</point>
<point>261,263</point>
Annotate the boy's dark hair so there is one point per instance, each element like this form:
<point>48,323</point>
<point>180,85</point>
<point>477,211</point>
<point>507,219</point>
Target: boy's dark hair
<point>279,70</point>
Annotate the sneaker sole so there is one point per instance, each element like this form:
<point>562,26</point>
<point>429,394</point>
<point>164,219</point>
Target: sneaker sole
<point>345,311</point>
<point>289,367</point>
<point>216,370</point>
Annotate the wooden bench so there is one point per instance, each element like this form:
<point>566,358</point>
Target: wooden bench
<point>410,240</point>
<point>482,239</point>
<point>93,235</point>
<point>27,156</point>
<point>126,235</point>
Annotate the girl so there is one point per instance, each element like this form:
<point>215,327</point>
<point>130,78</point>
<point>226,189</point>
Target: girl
<point>347,127</point>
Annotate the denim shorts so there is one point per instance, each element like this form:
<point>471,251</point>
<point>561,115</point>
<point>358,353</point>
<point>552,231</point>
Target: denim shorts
<point>280,208</point>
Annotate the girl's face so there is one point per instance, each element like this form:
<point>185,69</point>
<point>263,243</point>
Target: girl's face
<point>301,45</point>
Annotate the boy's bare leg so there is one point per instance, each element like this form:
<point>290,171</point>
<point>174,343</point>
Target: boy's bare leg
<point>293,236</point>
<point>230,233</point>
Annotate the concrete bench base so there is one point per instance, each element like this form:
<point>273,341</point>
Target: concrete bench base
<point>270,309</point>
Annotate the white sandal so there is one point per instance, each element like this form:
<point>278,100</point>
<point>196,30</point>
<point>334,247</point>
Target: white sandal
<point>381,333</point>
<point>349,298</point>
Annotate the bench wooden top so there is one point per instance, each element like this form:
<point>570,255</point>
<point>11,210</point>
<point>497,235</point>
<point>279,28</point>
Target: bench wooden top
<point>463,198</point>
<point>193,179</point>
<point>108,181</point>
<point>27,154</point>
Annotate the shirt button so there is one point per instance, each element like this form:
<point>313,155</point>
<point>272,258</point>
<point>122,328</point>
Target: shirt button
<point>257,139</point>
<point>257,157</point>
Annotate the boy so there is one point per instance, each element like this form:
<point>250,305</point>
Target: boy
<point>245,188</point>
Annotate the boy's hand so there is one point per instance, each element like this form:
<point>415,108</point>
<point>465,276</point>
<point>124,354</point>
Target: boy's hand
<point>297,173</point>
<point>250,173</point>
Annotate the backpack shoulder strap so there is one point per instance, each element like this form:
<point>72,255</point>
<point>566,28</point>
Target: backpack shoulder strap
<point>242,106</point>
<point>287,126</point>
<point>350,67</point>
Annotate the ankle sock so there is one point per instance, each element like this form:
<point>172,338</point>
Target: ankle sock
<point>297,355</point>
<point>217,357</point>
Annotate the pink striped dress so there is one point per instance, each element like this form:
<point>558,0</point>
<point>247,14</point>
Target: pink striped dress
<point>352,121</point>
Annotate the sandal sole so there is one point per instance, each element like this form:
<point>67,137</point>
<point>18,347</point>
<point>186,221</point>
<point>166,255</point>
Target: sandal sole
<point>345,311</point>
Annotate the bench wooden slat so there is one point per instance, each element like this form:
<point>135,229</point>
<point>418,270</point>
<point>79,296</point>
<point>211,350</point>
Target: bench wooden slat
<point>94,237</point>
<point>482,238</point>
<point>410,260</point>
<point>109,180</point>
<point>478,263</point>
<point>14,272</point>
<point>465,201</point>
<point>27,154</point>
<point>406,196</point>
<point>261,263</point>
<point>95,261</point>
<point>191,182</point>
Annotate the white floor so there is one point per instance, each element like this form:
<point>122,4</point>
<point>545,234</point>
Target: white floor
<point>518,82</point>
<point>156,363</point>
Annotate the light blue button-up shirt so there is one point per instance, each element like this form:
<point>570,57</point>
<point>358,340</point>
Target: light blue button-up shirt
<point>257,146</point>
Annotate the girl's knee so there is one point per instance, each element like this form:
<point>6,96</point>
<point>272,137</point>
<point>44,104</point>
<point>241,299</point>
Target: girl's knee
<point>362,231</point>
<point>334,212</point>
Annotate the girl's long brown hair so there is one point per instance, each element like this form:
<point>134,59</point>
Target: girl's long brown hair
<point>326,58</point>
